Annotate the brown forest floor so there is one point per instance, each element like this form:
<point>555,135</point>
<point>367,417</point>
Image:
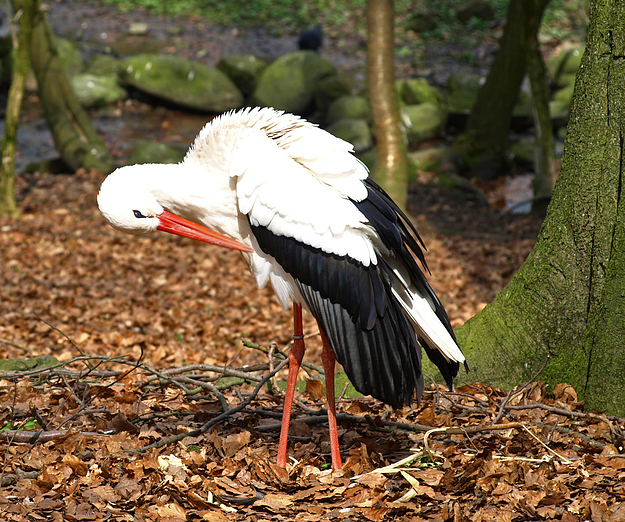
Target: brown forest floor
<point>121,312</point>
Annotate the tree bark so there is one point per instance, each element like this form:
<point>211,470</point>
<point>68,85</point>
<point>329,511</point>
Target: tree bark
<point>8,205</point>
<point>75,137</point>
<point>543,128</point>
<point>485,140</point>
<point>566,304</point>
<point>391,170</point>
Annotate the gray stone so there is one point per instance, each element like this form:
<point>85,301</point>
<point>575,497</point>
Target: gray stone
<point>97,91</point>
<point>289,82</point>
<point>183,82</point>
<point>138,28</point>
<point>244,70</point>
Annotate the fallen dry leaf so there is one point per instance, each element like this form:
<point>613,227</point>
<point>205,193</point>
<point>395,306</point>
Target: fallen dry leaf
<point>130,299</point>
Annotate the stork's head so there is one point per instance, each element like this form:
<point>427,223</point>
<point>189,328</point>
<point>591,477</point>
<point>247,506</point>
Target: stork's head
<point>127,204</point>
<point>128,199</point>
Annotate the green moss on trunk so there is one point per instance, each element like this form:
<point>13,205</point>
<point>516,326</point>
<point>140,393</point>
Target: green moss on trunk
<point>566,304</point>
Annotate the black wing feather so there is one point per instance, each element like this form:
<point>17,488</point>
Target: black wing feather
<point>376,209</point>
<point>377,348</point>
<point>355,306</point>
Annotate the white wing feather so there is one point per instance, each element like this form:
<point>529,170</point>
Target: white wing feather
<point>279,192</point>
<point>429,326</point>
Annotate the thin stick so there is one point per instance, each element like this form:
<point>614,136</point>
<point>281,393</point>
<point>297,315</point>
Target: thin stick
<point>15,345</point>
<point>280,355</point>
<point>511,394</point>
<point>563,459</point>
<point>63,334</point>
<point>204,428</point>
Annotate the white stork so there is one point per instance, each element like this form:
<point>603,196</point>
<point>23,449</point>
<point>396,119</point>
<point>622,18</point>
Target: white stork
<point>306,217</point>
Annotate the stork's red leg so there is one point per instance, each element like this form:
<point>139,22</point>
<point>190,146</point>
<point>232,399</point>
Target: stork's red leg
<point>295,360</point>
<point>328,365</point>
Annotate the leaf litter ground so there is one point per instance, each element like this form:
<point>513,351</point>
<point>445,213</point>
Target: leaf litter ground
<point>163,403</point>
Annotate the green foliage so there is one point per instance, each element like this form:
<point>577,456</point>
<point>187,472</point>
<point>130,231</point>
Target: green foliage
<point>562,19</point>
<point>273,14</point>
<point>28,425</point>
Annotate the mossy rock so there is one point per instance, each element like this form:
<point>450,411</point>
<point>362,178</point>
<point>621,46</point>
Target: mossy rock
<point>327,90</point>
<point>103,65</point>
<point>97,91</point>
<point>414,91</point>
<point>35,363</point>
<point>153,152</point>
<point>422,121</point>
<point>182,82</point>
<point>289,83</point>
<point>350,106</point>
<point>563,67</point>
<point>244,70</point>
<point>69,56</point>
<point>353,130</point>
<point>463,88</point>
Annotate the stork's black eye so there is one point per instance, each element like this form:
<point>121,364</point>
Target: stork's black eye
<point>138,214</point>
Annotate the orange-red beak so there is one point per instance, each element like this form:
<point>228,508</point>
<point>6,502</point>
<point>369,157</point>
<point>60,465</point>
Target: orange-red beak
<point>183,227</point>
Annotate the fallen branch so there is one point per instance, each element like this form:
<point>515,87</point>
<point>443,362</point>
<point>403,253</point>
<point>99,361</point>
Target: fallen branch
<point>420,428</point>
<point>229,372</point>
<point>38,437</point>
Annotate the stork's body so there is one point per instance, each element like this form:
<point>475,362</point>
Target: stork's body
<point>309,221</point>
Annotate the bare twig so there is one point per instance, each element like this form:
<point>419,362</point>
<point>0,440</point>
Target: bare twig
<point>15,345</point>
<point>216,420</point>
<point>563,459</point>
<point>64,335</point>
<point>274,380</point>
<point>512,393</point>
<point>209,387</point>
<point>35,437</point>
<point>281,355</point>
<point>40,420</point>
<point>228,372</point>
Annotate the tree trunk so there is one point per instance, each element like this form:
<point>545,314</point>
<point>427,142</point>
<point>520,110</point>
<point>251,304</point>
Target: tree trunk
<point>391,170</point>
<point>566,304</point>
<point>8,205</point>
<point>543,129</point>
<point>75,137</point>
<point>485,140</point>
